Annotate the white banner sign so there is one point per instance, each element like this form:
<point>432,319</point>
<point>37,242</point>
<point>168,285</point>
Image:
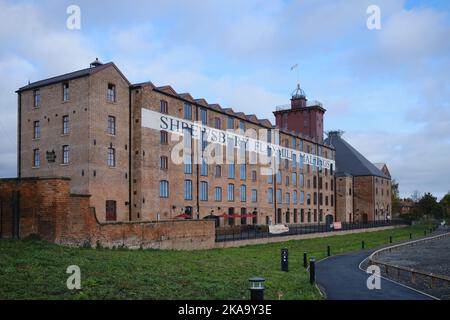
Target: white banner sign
<point>159,121</point>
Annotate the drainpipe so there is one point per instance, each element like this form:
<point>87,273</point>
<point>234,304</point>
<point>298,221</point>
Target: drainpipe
<point>130,131</point>
<point>19,135</point>
<point>197,168</point>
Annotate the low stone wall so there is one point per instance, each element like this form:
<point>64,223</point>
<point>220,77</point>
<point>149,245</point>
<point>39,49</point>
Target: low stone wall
<point>45,207</point>
<point>241,243</point>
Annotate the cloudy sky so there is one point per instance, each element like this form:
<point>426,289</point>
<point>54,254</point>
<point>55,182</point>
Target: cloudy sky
<point>388,89</point>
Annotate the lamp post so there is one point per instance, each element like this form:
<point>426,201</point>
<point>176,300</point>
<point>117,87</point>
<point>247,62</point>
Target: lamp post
<point>256,288</point>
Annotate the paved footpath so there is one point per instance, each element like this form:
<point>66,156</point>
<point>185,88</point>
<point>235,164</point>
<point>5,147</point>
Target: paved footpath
<point>341,279</point>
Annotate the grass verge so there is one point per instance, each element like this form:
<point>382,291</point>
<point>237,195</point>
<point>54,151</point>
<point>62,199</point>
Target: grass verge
<point>37,270</point>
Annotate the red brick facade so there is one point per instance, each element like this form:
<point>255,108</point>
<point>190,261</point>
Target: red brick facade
<point>46,208</point>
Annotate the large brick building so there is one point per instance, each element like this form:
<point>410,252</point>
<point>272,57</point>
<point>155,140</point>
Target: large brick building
<point>144,152</point>
<point>363,189</point>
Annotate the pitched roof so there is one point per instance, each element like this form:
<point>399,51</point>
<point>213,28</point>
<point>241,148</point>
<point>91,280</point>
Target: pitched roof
<point>350,161</point>
<point>70,76</point>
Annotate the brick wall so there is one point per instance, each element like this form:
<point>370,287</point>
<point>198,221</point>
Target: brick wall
<point>47,209</point>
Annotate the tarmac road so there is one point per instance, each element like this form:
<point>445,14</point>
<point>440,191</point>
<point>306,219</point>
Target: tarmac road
<point>341,279</point>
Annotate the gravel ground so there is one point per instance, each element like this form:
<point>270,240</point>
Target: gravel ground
<point>429,256</point>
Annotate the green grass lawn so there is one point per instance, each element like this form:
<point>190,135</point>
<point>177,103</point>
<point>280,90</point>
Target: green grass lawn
<point>37,270</point>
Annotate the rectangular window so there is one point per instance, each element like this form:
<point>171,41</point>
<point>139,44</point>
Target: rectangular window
<point>218,194</point>
<point>203,116</point>
<point>254,195</point>
<point>65,151</point>
<point>217,123</point>
<point>204,168</point>
<point>111,210</point>
<point>254,175</point>
<point>111,157</point>
<point>243,171</point>
<point>279,196</point>
<point>111,93</point>
<point>242,125</point>
<point>36,98</point>
<point>164,137</point>
<point>112,125</point>
<point>294,162</point>
<point>279,177</point>
<point>187,189</point>
<point>66,91</point>
<point>302,197</point>
<point>270,195</point>
<point>243,193</point>
<point>231,174</point>
<point>163,107</point>
<point>203,191</point>
<point>36,158</point>
<point>36,129</point>
<point>302,181</point>
<point>287,198</point>
<point>294,179</point>
<point>218,171</point>
<point>164,189</point>
<point>204,141</point>
<point>163,163</point>
<point>269,176</point>
<point>230,123</point>
<point>187,164</point>
<point>230,192</point>
<point>294,198</point>
<point>65,125</point>
<point>187,111</point>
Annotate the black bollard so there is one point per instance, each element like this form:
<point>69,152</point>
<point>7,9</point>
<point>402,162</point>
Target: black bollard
<point>312,270</point>
<point>256,288</point>
<point>390,239</point>
<point>305,260</point>
<point>284,260</point>
<point>410,236</point>
<point>328,251</point>
<point>425,232</point>
<point>363,245</point>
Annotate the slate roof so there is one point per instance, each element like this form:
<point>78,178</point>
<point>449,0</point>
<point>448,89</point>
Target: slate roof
<point>165,89</point>
<point>350,161</point>
<point>69,76</point>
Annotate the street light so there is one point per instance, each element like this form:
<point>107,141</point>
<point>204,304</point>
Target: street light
<point>256,288</point>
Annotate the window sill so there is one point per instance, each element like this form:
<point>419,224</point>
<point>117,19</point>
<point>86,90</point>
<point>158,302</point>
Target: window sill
<point>111,135</point>
<point>35,167</point>
<point>36,139</point>
<point>64,164</point>
<point>65,134</point>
